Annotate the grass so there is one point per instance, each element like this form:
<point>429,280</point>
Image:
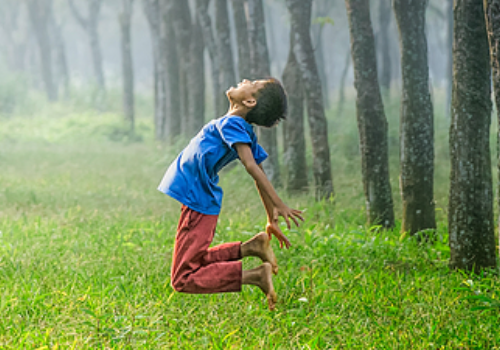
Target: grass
<point>86,243</point>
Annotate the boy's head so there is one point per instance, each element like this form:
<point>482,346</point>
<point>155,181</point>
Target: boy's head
<point>265,100</point>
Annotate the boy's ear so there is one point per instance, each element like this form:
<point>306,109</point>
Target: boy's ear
<point>250,102</point>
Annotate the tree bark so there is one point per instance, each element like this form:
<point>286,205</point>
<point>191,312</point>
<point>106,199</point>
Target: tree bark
<point>416,126</point>
<point>385,54</point>
<point>471,227</point>
<point>372,123</point>
<point>322,9</point>
<point>196,82</point>
<point>227,77</point>
<point>181,18</point>
<point>261,69</point>
<point>492,10</point>
<point>170,61</point>
<point>40,16</point>
<point>300,11</point>
<point>90,26</point>
<point>293,128</point>
<point>240,21</point>
<point>213,51</point>
<point>152,12</point>
<point>125,19</point>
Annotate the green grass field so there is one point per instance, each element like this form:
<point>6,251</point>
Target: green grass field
<point>86,242</point>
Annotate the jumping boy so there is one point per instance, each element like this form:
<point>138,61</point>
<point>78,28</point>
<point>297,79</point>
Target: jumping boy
<point>192,180</point>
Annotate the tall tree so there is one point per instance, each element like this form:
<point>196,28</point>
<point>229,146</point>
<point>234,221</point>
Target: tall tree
<point>300,11</point>
<point>181,18</point>
<point>90,25</point>
<point>416,125</point>
<point>125,19</point>
<point>293,129</point>
<point>261,68</point>
<point>372,123</point>
<point>492,10</point>
<point>152,12</point>
<point>240,21</point>
<point>470,214</point>
<point>227,76</point>
<point>213,51</point>
<point>39,12</point>
<point>196,81</point>
<point>170,62</point>
<point>322,11</point>
<point>384,15</point>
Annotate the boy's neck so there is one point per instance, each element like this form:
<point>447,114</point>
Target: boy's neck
<point>238,110</point>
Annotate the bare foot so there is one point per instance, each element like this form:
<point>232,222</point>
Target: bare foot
<point>268,287</point>
<point>261,276</point>
<point>260,246</point>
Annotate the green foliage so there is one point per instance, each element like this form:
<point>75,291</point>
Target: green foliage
<point>322,21</point>
<point>86,242</point>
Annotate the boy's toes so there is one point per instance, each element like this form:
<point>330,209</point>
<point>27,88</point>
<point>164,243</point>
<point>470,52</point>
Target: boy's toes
<point>272,299</point>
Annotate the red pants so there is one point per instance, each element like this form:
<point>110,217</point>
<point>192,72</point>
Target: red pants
<point>196,268</point>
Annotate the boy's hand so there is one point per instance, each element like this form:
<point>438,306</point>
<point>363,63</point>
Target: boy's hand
<point>272,228</point>
<point>287,213</point>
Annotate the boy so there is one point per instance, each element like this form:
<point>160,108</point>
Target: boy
<point>192,180</point>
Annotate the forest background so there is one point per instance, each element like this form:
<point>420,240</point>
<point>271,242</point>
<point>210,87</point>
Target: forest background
<point>87,131</point>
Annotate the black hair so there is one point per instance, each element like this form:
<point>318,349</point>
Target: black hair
<point>271,104</point>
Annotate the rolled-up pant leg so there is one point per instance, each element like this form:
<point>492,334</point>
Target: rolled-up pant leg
<point>196,268</point>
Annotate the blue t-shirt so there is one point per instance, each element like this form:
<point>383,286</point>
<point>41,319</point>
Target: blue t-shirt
<point>192,178</point>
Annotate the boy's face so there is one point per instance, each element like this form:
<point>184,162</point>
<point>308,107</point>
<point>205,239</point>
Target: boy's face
<point>245,91</point>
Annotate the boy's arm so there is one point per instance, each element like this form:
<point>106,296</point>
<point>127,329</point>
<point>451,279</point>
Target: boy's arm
<point>273,203</point>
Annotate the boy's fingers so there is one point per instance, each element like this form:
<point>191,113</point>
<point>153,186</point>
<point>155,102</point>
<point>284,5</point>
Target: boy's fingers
<point>288,222</point>
<point>297,214</point>
<point>295,221</point>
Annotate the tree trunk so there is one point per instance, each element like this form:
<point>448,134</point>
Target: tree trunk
<point>293,128</point>
<point>152,12</point>
<point>300,11</point>
<point>322,9</point>
<point>39,15</point>
<point>372,123</point>
<point>181,18</point>
<point>196,81</point>
<point>227,77</point>
<point>471,227</point>
<point>385,54</point>
<point>240,22</point>
<point>492,10</point>
<point>416,126</point>
<point>261,69</point>
<point>170,61</point>
<point>125,19</point>
<point>90,26</point>
<point>449,56</point>
<point>213,51</point>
